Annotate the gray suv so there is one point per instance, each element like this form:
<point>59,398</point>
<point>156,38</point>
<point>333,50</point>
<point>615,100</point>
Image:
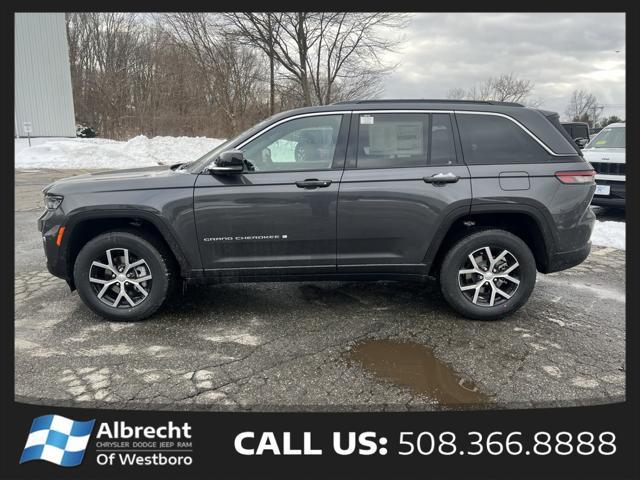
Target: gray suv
<point>479,195</point>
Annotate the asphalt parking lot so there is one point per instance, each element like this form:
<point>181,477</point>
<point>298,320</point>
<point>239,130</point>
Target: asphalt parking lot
<point>316,346</point>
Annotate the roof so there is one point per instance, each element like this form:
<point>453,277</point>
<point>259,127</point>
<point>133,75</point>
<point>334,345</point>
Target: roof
<point>423,100</point>
<point>407,104</point>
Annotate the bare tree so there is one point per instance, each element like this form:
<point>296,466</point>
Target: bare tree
<point>583,107</point>
<point>205,74</point>
<point>102,47</point>
<point>259,30</point>
<point>232,72</point>
<point>509,88</point>
<point>457,94</point>
<point>327,54</point>
<point>503,88</point>
<point>130,78</point>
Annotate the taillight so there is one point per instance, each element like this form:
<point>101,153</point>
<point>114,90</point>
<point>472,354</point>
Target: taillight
<point>580,176</point>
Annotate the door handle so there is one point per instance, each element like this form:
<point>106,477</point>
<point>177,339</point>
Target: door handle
<point>311,183</point>
<point>441,178</point>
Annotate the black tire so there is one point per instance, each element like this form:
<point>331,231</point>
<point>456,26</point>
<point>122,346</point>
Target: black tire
<point>157,257</point>
<point>458,259</point>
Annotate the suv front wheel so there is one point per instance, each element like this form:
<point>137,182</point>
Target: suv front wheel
<point>488,275</point>
<point>123,276</point>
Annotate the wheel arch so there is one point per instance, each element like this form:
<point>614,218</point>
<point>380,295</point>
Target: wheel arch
<point>523,221</point>
<point>85,225</point>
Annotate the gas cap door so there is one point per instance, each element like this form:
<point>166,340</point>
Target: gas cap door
<point>514,181</point>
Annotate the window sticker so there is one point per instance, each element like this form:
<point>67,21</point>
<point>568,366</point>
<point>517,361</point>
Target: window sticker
<point>398,139</point>
<point>366,120</point>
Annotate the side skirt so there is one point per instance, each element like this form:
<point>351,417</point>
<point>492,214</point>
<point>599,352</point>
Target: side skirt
<point>209,278</point>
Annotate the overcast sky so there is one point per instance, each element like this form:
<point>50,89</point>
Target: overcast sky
<point>559,52</point>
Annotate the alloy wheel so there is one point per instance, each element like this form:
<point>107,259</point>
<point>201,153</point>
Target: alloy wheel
<point>489,276</point>
<point>120,279</point>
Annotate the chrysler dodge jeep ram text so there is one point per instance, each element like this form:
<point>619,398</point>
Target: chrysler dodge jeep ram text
<point>480,195</point>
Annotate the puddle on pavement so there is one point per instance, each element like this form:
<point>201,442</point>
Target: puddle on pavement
<point>413,365</point>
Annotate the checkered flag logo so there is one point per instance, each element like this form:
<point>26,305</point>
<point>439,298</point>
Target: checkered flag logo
<point>57,440</point>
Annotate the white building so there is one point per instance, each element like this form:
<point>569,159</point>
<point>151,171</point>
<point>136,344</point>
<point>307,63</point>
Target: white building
<point>43,95</point>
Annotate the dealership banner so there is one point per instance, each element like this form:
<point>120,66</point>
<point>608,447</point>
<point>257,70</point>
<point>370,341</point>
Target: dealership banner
<point>71,443</point>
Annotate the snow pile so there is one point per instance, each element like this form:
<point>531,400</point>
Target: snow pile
<point>88,153</point>
<point>609,234</point>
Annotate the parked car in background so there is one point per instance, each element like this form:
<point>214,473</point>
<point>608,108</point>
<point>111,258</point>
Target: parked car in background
<point>579,131</point>
<point>606,152</point>
<point>83,131</point>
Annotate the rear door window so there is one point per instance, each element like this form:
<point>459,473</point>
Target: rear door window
<point>391,140</point>
<point>492,139</point>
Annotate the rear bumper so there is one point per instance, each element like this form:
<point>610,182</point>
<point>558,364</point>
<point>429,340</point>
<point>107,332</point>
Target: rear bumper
<point>564,260</point>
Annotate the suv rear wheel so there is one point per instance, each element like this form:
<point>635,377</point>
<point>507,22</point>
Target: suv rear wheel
<point>123,276</point>
<point>488,274</point>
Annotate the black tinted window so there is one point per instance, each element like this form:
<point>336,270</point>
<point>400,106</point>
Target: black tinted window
<point>390,140</point>
<point>489,139</point>
<point>580,131</point>
<point>443,151</point>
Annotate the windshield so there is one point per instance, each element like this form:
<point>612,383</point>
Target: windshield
<point>611,137</point>
<point>198,165</point>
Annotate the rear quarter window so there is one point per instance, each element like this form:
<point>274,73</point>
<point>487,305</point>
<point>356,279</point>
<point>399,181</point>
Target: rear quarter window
<point>491,139</point>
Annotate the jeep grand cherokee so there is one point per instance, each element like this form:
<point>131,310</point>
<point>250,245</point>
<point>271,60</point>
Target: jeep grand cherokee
<point>479,195</point>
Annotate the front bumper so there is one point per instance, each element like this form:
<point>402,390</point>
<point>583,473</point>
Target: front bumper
<point>616,197</point>
<point>49,225</point>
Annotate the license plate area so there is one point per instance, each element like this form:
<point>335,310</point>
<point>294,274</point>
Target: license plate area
<point>603,190</point>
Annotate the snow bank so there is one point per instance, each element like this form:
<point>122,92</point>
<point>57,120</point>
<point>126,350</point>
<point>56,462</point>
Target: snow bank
<point>140,151</point>
<point>609,234</point>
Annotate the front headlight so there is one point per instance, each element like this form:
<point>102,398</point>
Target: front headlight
<point>51,202</point>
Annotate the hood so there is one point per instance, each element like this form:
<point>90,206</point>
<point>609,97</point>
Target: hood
<point>615,155</point>
<point>162,176</point>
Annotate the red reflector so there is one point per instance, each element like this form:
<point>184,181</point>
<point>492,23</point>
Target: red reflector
<point>59,237</point>
<point>580,176</point>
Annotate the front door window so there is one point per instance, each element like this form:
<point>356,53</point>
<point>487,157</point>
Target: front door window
<point>307,143</point>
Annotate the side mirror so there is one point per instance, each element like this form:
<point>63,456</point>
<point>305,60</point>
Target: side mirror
<point>231,161</point>
<point>581,142</point>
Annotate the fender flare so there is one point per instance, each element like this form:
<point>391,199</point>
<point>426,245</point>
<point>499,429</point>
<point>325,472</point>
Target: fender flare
<point>74,219</point>
<point>536,214</point>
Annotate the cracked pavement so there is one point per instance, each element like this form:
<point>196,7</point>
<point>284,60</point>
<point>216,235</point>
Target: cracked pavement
<point>284,346</point>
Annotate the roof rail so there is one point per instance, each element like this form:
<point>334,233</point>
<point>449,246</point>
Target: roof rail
<point>427,100</point>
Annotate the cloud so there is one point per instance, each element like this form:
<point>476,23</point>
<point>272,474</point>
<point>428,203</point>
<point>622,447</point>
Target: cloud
<point>559,52</point>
